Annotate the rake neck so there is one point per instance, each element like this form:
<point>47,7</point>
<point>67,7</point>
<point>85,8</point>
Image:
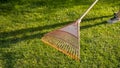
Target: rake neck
<point>79,20</point>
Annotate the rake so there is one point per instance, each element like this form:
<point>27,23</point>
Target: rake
<point>67,39</point>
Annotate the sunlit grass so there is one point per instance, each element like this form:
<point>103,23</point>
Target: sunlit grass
<point>23,24</point>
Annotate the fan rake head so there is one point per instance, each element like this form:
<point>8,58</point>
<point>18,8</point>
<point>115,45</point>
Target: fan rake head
<point>65,40</point>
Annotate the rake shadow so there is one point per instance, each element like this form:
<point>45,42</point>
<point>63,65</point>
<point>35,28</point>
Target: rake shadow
<point>88,26</point>
<point>4,42</point>
<point>95,18</point>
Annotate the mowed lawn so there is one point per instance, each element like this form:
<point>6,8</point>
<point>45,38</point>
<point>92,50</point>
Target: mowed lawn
<point>24,22</point>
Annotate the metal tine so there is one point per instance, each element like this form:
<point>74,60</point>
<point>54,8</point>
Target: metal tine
<point>70,49</point>
<point>61,45</point>
<point>66,45</point>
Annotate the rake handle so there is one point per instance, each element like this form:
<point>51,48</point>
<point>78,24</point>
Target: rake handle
<point>79,20</point>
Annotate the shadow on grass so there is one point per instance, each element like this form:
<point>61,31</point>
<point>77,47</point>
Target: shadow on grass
<point>88,26</point>
<point>6,41</point>
<point>95,18</point>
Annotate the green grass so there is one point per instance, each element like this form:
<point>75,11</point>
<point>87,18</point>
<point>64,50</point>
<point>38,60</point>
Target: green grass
<point>24,22</point>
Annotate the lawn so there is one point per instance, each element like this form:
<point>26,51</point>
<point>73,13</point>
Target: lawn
<point>24,22</point>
